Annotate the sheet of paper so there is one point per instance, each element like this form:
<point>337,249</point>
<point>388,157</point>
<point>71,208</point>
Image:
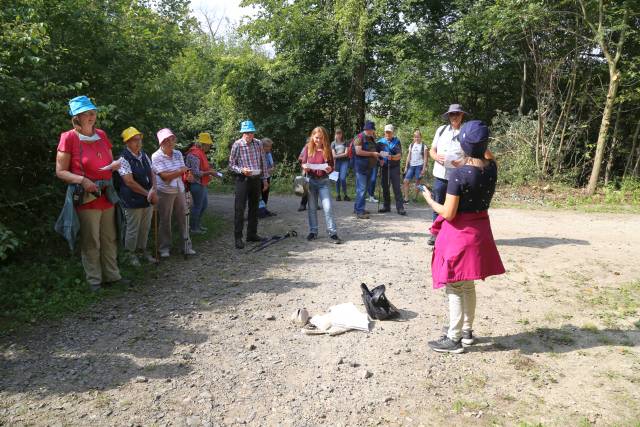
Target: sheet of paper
<point>333,176</point>
<point>449,158</point>
<point>348,316</point>
<point>384,154</point>
<point>316,167</point>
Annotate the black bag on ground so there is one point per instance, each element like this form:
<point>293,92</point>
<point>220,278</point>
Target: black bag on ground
<point>377,304</point>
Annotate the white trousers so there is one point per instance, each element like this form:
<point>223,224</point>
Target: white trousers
<point>462,307</point>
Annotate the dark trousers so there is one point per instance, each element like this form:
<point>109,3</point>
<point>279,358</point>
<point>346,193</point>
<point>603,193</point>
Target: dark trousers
<point>247,189</point>
<point>439,192</point>
<point>265,194</point>
<point>391,176</point>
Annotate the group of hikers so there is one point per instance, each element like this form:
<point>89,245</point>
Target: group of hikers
<point>464,170</point>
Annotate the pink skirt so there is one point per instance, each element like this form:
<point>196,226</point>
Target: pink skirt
<point>464,250</point>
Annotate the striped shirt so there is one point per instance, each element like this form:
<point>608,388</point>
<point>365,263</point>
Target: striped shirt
<point>163,163</point>
<point>248,155</point>
<point>125,167</point>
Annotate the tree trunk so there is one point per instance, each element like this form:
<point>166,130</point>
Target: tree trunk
<point>604,129</point>
<point>614,144</point>
<point>523,88</point>
<point>633,149</point>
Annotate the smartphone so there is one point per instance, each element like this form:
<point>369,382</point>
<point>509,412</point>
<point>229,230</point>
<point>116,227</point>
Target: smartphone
<point>421,187</point>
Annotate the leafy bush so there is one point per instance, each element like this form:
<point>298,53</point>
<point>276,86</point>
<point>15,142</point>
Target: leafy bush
<point>8,242</point>
<point>513,142</point>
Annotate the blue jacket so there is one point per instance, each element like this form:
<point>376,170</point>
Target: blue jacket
<point>392,147</point>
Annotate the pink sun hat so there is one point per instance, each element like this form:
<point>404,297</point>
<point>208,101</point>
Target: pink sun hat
<point>163,134</point>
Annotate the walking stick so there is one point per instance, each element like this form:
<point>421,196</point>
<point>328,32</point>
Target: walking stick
<point>155,231</point>
<point>379,179</point>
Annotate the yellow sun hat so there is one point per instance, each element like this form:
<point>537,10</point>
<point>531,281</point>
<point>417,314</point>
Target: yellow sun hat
<point>205,138</point>
<point>129,133</point>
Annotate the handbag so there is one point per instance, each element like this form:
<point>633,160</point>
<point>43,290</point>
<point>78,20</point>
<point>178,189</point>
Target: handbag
<point>300,185</point>
<point>377,304</point>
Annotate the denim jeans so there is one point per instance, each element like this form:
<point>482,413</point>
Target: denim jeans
<point>319,190</point>
<point>362,181</point>
<point>200,202</point>
<point>439,192</point>
<point>342,167</point>
<point>373,179</point>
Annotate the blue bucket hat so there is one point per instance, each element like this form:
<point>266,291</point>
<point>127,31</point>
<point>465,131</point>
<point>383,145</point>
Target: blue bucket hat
<point>80,104</point>
<point>474,138</point>
<point>369,125</point>
<point>247,126</point>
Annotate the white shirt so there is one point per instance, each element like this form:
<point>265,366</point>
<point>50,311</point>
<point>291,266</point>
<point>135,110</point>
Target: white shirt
<point>163,163</point>
<point>417,154</point>
<point>444,144</point>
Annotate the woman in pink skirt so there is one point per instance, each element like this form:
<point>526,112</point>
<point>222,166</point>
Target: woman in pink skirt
<point>465,249</point>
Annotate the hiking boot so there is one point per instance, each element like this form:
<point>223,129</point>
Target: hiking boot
<point>335,239</point>
<point>189,251</point>
<point>362,216</point>
<point>383,210</point>
<point>311,236</point>
<point>366,212</point>
<point>467,338</point>
<point>446,345</point>
<point>402,212</point>
<point>120,282</point>
<point>432,240</point>
<point>302,208</point>
<point>239,243</point>
<point>254,238</point>
<point>346,198</point>
<point>338,198</point>
<point>164,253</point>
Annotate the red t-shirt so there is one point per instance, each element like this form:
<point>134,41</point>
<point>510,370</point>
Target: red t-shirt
<point>317,159</point>
<point>86,159</point>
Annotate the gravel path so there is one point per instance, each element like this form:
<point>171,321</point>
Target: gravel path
<point>194,344</point>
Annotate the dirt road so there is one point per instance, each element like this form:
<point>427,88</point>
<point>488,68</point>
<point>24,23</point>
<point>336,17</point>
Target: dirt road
<point>559,342</point>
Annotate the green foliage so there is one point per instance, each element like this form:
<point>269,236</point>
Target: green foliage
<point>8,242</point>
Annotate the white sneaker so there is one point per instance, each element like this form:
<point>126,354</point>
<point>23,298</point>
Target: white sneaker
<point>372,199</point>
<point>164,254</point>
<point>190,252</point>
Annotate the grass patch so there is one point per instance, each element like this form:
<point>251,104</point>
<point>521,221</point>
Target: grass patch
<point>55,286</point>
<point>522,363</point>
<point>614,305</point>
<point>461,405</point>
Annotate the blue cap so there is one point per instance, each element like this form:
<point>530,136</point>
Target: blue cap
<point>473,138</point>
<point>369,125</point>
<point>247,126</point>
<point>80,104</point>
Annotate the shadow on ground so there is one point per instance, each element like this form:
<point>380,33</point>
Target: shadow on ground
<point>540,242</point>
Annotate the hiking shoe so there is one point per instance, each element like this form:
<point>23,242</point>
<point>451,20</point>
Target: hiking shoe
<point>239,243</point>
<point>346,198</point>
<point>120,282</point>
<point>269,213</point>
<point>402,212</point>
<point>335,239</point>
<point>467,337</point>
<point>366,212</point>
<point>311,236</point>
<point>150,258</point>
<point>383,210</point>
<point>432,240</point>
<point>254,238</point>
<point>362,216</point>
<point>446,345</point>
<point>405,201</point>
<point>302,208</point>
<point>164,253</point>
<point>338,198</point>
<point>372,199</point>
<point>133,260</point>
<point>189,251</point>
<point>198,231</point>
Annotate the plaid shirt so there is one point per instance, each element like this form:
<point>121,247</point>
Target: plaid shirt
<point>248,155</point>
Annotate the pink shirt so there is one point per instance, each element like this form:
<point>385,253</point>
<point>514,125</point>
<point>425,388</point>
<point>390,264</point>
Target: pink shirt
<point>86,159</point>
<point>464,250</point>
<point>316,159</point>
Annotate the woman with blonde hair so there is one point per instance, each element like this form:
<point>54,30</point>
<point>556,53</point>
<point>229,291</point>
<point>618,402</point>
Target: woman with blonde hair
<point>317,164</point>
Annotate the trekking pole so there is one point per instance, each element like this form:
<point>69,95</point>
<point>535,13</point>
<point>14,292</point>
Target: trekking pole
<point>379,180</point>
<point>186,220</point>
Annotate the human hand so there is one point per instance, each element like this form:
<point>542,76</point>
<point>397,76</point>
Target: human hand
<point>440,158</point>
<point>246,171</point>
<point>152,197</point>
<point>329,169</point>
<point>183,169</point>
<point>457,163</point>
<point>88,185</point>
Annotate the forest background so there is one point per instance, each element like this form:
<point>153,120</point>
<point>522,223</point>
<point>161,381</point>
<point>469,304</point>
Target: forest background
<point>559,82</point>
